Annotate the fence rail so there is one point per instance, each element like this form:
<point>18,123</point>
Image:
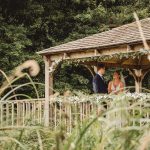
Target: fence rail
<point>65,113</point>
<point>21,112</point>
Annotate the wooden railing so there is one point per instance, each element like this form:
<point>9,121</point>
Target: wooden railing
<point>21,112</point>
<point>27,112</point>
<point>66,114</point>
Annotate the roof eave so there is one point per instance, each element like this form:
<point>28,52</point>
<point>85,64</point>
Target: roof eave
<point>92,48</point>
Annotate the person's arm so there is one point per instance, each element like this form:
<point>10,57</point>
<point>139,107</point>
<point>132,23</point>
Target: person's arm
<point>109,87</point>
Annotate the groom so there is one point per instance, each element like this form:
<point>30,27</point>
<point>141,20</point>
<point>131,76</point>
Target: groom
<point>99,84</point>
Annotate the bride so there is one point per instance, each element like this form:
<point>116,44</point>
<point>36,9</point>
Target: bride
<point>116,86</point>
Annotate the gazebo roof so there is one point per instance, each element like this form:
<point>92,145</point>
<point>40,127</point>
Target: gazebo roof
<point>126,34</point>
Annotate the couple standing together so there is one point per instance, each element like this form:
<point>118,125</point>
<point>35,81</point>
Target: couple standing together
<point>99,85</point>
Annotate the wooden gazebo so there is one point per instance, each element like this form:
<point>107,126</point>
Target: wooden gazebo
<point>119,47</point>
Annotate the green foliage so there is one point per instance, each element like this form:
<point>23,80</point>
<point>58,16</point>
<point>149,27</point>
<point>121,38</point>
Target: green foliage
<point>28,26</point>
<point>78,79</point>
<point>13,41</point>
<point>124,125</point>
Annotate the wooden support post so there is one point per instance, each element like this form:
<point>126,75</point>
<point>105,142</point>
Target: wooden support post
<point>47,91</point>
<point>138,85</point>
<point>138,75</point>
<point>50,78</point>
<point>51,84</point>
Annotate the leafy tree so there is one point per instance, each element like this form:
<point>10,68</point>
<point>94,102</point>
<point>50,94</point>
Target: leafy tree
<point>27,26</point>
<point>13,41</point>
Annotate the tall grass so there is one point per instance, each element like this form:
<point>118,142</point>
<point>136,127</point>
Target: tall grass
<point>113,128</point>
<point>17,74</point>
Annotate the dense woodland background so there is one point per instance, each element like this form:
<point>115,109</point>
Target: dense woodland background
<point>28,26</point>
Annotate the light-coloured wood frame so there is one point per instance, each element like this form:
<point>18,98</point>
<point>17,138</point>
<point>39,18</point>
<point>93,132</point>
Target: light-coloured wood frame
<point>137,66</point>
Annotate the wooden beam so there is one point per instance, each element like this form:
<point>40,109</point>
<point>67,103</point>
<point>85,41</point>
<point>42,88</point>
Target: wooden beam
<point>88,53</point>
<point>91,70</point>
<point>128,48</point>
<point>116,64</point>
<point>139,75</point>
<point>145,71</point>
<point>96,52</point>
<point>66,56</point>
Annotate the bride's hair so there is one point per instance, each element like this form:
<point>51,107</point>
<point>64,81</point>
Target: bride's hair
<point>118,72</point>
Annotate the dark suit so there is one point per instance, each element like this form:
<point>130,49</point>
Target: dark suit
<point>99,85</point>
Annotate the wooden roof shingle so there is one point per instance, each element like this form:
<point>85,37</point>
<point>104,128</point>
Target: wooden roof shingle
<point>126,34</point>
